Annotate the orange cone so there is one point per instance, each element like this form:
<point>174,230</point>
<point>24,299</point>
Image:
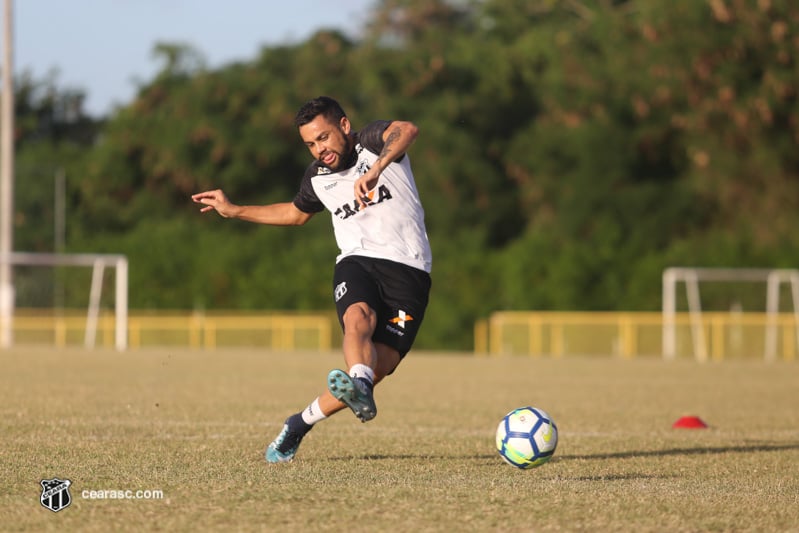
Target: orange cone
<point>689,422</point>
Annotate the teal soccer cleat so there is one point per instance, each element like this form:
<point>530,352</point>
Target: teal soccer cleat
<point>356,393</point>
<point>284,447</point>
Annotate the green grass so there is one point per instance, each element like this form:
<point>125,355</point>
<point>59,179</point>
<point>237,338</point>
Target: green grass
<point>194,425</point>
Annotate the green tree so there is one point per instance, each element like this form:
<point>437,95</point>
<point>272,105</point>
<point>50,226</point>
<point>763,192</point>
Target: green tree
<point>569,151</point>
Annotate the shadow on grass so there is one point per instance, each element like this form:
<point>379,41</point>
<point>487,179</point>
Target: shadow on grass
<point>753,448</point>
<point>624,477</point>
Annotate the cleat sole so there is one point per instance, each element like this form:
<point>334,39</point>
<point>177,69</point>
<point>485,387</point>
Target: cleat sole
<point>342,387</point>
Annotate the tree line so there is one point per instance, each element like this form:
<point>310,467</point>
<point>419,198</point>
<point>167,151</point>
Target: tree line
<point>569,151</point>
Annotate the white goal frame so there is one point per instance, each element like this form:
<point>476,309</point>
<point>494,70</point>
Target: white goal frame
<point>98,262</point>
<point>691,276</point>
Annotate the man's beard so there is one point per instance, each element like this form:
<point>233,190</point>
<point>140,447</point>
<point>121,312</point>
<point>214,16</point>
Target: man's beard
<point>344,155</point>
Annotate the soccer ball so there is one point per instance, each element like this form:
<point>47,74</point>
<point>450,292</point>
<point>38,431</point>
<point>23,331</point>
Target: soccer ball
<point>527,437</point>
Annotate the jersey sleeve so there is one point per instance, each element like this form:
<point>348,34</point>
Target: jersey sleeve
<point>371,135</point>
<point>306,199</point>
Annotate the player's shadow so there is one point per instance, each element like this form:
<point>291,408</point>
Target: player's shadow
<point>491,458</point>
<point>389,457</point>
<point>746,448</point>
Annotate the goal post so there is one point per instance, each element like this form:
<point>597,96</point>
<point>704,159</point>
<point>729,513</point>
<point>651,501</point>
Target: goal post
<point>98,263</point>
<point>691,276</point>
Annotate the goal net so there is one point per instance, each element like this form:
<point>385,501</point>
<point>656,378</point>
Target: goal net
<point>691,277</point>
<point>31,289</point>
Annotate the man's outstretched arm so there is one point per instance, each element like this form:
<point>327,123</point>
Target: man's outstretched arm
<point>280,214</point>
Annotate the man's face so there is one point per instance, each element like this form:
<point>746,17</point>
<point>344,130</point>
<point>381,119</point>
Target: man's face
<point>328,141</point>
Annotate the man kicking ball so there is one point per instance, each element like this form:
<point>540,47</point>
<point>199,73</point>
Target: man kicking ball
<point>381,281</point>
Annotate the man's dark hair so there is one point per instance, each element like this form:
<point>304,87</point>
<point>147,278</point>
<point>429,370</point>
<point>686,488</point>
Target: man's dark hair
<point>323,105</point>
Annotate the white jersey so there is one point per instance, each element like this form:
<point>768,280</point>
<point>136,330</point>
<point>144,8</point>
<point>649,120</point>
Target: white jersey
<point>391,226</point>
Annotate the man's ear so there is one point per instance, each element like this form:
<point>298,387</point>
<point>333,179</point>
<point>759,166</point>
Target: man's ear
<point>345,125</point>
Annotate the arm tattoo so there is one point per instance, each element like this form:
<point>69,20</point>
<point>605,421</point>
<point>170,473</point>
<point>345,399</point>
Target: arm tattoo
<point>392,137</point>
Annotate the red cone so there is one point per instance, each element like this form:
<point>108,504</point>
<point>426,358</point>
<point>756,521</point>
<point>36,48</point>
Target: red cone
<point>689,422</point>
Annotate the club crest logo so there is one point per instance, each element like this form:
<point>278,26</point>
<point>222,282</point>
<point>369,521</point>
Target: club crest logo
<point>55,494</point>
<point>362,168</point>
<point>340,291</point>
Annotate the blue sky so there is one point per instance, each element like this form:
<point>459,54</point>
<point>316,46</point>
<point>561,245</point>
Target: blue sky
<point>104,47</point>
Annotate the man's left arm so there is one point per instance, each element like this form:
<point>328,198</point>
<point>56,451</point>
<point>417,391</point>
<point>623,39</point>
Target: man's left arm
<point>397,138</point>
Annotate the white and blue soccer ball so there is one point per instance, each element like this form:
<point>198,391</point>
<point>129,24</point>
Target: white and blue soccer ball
<point>527,437</point>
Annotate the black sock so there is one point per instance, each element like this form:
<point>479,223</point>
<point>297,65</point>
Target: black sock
<point>369,385</point>
<point>297,425</point>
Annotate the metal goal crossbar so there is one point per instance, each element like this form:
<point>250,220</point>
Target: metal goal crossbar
<point>691,276</point>
<point>98,262</point>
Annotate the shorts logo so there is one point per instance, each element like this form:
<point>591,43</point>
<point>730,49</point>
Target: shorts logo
<point>341,290</point>
<point>401,318</point>
<point>55,494</point>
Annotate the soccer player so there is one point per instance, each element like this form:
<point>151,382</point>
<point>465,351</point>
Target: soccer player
<point>381,280</point>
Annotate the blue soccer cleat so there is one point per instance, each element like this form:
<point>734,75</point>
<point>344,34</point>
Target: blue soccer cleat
<point>284,447</point>
<point>356,393</point>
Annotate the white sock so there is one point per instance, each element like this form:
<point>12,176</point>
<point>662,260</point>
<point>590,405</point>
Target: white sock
<point>362,371</point>
<point>313,413</point>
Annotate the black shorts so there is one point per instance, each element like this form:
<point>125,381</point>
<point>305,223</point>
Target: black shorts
<point>396,292</point>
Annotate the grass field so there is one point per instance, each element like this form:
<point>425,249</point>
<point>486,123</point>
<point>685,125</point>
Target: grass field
<point>194,425</point>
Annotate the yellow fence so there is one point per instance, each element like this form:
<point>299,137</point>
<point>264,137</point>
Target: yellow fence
<point>712,335</point>
<point>273,331</point>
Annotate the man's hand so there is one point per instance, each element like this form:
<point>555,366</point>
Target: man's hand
<point>364,184</point>
<point>216,200</point>
<point>397,138</point>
